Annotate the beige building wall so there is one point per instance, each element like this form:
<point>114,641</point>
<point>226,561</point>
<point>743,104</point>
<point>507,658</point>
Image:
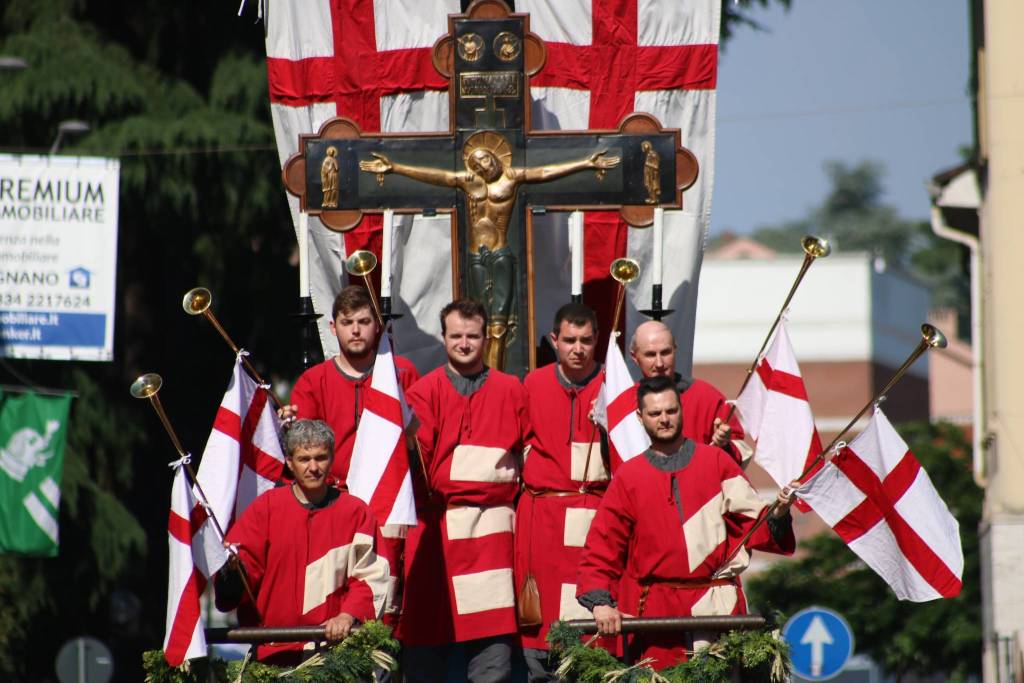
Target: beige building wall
<point>1001,120</point>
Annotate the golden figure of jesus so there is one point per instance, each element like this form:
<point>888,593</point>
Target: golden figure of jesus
<point>490,184</point>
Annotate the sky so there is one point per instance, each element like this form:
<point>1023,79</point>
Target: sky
<point>847,80</point>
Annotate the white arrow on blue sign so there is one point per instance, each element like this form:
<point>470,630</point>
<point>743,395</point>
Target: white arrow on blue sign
<point>820,643</point>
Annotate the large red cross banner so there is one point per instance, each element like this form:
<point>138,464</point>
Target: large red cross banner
<point>371,61</point>
<point>879,499</point>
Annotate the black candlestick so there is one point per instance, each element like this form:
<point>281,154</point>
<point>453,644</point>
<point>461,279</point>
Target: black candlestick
<point>385,310</point>
<point>656,312</point>
<point>312,351</point>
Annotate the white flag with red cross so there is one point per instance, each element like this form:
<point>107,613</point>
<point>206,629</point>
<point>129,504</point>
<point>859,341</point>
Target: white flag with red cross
<point>370,61</point>
<point>187,573</point>
<point>243,456</point>
<point>775,413</point>
<point>379,472</point>
<point>879,499</point>
<point>615,410</point>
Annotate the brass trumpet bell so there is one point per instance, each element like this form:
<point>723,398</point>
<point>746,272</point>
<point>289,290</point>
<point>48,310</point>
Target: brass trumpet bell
<point>146,385</point>
<point>360,263</point>
<point>933,336</point>
<point>815,247</point>
<point>624,270</point>
<point>197,300</point>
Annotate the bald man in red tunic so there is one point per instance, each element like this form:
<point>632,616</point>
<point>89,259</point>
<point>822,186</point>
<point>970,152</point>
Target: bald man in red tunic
<point>564,476</point>
<point>660,542</point>
<point>459,588</point>
<point>705,411</point>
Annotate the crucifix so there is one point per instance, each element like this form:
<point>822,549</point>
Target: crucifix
<point>491,171</point>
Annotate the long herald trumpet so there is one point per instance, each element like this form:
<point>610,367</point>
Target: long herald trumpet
<point>360,264</point>
<point>197,301</point>
<point>931,338</point>
<point>623,271</point>
<point>147,386</point>
<point>814,248</point>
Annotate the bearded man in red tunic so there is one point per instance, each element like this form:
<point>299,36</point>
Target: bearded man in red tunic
<point>333,392</point>
<point>661,540</point>
<point>705,411</point>
<point>564,476</point>
<point>472,424</point>
<point>307,549</point>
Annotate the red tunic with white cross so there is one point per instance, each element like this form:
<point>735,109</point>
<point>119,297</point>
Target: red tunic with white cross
<point>458,560</point>
<point>658,524</point>
<point>550,529</point>
<point>309,565</point>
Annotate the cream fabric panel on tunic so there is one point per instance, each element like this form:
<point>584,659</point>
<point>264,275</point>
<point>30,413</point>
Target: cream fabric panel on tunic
<point>483,591</point>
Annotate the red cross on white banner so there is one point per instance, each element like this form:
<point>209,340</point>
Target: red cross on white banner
<point>879,499</point>
<point>370,61</point>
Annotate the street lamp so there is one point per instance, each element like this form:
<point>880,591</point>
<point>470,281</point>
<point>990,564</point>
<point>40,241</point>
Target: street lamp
<point>68,128</point>
<point>8,63</point>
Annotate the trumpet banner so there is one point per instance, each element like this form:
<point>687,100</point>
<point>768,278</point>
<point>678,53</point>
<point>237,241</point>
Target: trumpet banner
<point>371,61</point>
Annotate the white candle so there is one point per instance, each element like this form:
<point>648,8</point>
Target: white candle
<point>385,253</point>
<point>303,254</point>
<point>576,251</point>
<point>656,252</point>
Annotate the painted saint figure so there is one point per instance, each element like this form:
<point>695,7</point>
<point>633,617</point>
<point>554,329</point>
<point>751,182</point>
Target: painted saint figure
<point>329,178</point>
<point>652,172</point>
<point>490,184</point>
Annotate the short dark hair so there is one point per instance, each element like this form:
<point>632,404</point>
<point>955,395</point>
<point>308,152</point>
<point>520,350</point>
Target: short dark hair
<point>575,314</point>
<point>466,308</point>
<point>658,384</point>
<point>350,299</point>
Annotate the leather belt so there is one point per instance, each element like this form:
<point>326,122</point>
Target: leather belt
<point>689,583</point>
<point>552,493</point>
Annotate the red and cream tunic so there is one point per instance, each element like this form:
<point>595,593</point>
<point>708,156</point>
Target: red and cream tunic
<point>459,559</point>
<point>325,393</point>
<point>307,565</point>
<point>660,539</point>
<point>553,516</point>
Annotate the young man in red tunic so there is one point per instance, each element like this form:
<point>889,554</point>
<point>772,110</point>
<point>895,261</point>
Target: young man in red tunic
<point>564,475</point>
<point>333,390</point>
<point>653,349</point>
<point>458,582</point>
<point>307,550</point>
<point>666,526</point>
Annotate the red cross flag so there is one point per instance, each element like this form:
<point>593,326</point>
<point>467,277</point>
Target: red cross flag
<point>775,413</point>
<point>371,62</point>
<point>879,499</point>
<point>186,579</point>
<point>242,459</point>
<point>616,408</point>
<point>379,472</point>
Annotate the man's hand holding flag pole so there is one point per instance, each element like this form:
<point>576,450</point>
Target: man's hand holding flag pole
<point>931,338</point>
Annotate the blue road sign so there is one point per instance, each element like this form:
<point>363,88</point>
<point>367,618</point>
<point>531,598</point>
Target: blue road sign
<point>820,643</point>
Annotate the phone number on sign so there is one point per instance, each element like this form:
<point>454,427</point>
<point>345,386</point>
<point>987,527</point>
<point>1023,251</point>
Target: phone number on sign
<point>67,301</point>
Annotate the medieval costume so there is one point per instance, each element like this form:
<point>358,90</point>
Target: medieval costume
<point>459,559</point>
<point>564,476</point>
<point>659,543</point>
<point>306,563</point>
<point>324,392</point>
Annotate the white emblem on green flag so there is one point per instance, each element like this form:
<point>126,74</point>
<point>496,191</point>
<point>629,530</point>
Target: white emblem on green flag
<point>33,430</point>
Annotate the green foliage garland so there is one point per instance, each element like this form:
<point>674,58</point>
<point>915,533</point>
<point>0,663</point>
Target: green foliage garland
<point>758,655</point>
<point>354,659</point>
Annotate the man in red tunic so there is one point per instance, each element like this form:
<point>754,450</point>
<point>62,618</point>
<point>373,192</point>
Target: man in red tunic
<point>653,348</point>
<point>333,390</point>
<point>458,582</point>
<point>564,475</point>
<point>666,526</point>
<point>307,549</point>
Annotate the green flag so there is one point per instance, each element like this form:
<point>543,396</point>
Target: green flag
<point>33,430</point>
